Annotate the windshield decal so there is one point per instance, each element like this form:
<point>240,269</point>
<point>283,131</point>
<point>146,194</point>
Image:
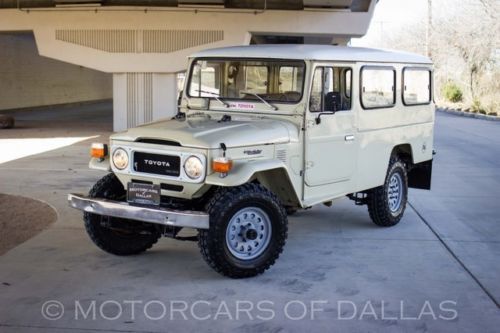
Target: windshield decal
<point>241,105</point>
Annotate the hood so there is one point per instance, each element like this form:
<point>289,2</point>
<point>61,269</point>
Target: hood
<point>207,133</point>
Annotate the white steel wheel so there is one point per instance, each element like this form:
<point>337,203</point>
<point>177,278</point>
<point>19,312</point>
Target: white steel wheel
<point>248,233</point>
<point>387,203</point>
<point>248,229</point>
<point>395,192</point>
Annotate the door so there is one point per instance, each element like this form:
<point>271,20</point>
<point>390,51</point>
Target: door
<point>331,146</point>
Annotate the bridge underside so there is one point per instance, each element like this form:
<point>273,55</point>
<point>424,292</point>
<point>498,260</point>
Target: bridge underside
<point>144,44</point>
<point>352,5</point>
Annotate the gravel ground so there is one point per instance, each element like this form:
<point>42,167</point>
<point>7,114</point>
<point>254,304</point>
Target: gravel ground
<point>22,218</point>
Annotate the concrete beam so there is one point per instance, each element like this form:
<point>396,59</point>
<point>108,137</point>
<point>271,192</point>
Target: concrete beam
<point>87,38</point>
<point>144,47</point>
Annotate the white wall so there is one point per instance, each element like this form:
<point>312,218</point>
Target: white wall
<point>140,98</point>
<point>27,79</point>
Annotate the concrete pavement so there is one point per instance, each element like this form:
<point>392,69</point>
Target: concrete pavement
<point>438,270</point>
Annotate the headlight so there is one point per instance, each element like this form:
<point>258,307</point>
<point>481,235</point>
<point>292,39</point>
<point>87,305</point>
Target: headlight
<point>120,158</point>
<point>193,167</point>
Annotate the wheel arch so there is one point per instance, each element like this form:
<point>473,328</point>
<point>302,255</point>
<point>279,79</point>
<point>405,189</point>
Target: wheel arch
<point>272,174</point>
<point>278,181</point>
<point>405,152</point>
<point>419,174</point>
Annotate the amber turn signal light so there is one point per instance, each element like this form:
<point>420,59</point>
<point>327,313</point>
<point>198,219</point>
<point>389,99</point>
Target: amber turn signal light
<point>222,165</point>
<point>99,150</point>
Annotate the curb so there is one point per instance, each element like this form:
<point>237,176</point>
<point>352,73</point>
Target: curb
<point>468,114</point>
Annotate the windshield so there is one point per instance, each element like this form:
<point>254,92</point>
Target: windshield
<point>272,81</point>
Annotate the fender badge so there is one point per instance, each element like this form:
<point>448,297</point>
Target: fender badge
<point>252,152</point>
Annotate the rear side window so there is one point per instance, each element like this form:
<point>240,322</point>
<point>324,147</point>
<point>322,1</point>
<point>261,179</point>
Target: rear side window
<point>378,87</point>
<point>416,86</point>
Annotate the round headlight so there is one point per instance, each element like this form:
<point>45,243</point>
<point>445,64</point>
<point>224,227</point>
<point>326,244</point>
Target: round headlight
<point>193,167</point>
<point>120,158</point>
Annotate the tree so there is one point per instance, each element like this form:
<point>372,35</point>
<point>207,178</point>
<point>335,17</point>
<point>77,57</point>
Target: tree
<point>471,29</point>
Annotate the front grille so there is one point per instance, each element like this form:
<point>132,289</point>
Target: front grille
<point>166,165</point>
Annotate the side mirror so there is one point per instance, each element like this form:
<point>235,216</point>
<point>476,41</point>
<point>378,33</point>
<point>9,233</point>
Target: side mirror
<point>199,103</point>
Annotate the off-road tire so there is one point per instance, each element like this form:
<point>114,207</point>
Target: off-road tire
<point>222,206</point>
<point>378,203</point>
<point>109,187</point>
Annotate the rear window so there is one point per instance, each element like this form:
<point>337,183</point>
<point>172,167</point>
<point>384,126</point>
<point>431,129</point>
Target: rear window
<point>416,86</point>
<point>378,87</point>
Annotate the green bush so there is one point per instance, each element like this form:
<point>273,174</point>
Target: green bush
<point>476,107</point>
<point>452,92</point>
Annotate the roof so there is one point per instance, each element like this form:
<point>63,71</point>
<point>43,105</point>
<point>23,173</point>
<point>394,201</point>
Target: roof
<point>313,52</point>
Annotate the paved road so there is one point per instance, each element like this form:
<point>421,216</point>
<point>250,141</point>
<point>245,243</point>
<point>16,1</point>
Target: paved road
<point>438,270</point>
<point>463,206</point>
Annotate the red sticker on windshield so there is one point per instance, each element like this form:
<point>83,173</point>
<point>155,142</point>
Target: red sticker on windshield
<point>244,106</point>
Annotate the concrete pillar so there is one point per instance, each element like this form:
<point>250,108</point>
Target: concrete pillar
<point>140,98</point>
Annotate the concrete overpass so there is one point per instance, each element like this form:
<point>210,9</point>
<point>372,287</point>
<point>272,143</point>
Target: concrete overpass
<point>144,44</point>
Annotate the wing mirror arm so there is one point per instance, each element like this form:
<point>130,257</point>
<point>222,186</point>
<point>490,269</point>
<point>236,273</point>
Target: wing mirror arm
<point>334,106</point>
<point>318,118</point>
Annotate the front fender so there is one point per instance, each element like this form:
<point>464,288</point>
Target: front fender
<point>243,171</point>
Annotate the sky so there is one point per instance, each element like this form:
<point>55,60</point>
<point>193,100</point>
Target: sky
<point>391,15</point>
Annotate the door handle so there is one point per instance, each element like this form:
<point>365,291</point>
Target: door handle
<point>349,137</point>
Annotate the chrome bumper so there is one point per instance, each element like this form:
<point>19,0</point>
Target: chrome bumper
<point>166,217</point>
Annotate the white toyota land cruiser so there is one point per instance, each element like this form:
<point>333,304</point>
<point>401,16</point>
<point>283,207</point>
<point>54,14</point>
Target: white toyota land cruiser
<point>262,132</point>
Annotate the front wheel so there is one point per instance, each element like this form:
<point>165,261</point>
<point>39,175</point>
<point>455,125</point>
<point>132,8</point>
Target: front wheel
<point>248,230</point>
<point>387,203</point>
<point>115,235</point>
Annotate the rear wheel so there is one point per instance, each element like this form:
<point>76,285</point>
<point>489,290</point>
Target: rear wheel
<point>248,229</point>
<point>387,203</point>
<point>115,235</point>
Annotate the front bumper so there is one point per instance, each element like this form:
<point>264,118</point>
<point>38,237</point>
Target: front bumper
<point>162,216</point>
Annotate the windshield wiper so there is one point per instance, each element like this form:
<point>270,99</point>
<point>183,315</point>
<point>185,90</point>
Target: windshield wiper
<point>275,108</point>
<point>215,95</point>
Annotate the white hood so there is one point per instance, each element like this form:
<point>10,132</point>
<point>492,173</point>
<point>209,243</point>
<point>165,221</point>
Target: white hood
<point>207,133</point>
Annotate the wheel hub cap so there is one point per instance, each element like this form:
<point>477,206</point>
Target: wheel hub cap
<point>248,233</point>
<point>395,192</point>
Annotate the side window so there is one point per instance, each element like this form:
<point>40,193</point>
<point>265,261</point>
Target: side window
<point>316,99</point>
<point>378,87</point>
<point>330,90</point>
<point>416,86</point>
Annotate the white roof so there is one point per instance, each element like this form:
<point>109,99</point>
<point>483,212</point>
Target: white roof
<point>314,52</point>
